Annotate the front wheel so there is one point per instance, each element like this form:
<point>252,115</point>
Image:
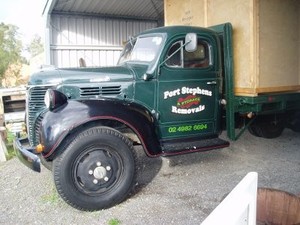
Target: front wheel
<point>97,169</point>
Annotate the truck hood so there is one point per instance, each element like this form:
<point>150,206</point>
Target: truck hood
<point>81,75</point>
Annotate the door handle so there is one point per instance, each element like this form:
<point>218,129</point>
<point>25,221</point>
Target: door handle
<point>211,82</point>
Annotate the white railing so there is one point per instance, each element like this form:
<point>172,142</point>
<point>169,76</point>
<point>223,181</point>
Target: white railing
<point>239,207</point>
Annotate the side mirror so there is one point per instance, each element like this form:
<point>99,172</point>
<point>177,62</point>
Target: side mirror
<point>191,42</point>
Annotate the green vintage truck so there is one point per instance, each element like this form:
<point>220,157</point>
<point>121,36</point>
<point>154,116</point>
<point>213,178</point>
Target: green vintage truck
<point>171,92</point>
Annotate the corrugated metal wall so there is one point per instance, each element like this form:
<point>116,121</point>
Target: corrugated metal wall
<point>97,40</point>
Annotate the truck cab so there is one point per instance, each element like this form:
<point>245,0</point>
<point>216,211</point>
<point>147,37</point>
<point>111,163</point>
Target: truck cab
<point>164,94</point>
<point>171,92</point>
<point>181,86</point>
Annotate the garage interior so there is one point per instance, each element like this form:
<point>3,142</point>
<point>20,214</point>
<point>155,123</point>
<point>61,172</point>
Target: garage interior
<point>94,30</point>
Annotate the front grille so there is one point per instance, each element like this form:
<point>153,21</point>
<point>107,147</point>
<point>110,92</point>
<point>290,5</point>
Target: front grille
<point>35,104</point>
<point>38,124</point>
<point>90,92</point>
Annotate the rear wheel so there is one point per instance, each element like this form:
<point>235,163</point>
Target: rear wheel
<point>294,122</point>
<point>97,169</point>
<point>267,128</point>
<point>254,130</point>
<point>270,130</point>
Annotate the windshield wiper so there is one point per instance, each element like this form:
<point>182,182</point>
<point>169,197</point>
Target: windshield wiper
<point>131,40</point>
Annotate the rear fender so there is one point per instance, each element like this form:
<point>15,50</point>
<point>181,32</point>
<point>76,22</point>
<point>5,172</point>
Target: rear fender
<point>62,122</point>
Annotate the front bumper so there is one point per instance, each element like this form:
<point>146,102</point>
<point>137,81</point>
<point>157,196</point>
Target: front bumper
<point>26,154</point>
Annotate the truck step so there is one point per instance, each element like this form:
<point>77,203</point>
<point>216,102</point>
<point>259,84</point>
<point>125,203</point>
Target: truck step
<point>193,146</point>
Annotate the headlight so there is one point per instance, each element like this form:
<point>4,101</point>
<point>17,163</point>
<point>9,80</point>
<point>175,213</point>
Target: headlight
<point>53,99</point>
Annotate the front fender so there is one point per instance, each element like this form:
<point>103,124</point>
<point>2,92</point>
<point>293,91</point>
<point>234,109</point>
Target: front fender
<point>57,124</point>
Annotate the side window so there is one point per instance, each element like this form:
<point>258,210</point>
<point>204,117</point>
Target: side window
<point>175,55</point>
<point>199,58</point>
<point>178,57</point>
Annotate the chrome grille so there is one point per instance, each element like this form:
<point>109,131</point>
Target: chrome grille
<point>88,92</point>
<point>35,104</point>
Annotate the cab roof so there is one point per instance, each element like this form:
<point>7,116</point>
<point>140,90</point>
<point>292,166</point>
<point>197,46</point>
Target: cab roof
<point>175,30</point>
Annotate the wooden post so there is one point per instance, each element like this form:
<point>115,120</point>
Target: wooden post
<point>3,150</point>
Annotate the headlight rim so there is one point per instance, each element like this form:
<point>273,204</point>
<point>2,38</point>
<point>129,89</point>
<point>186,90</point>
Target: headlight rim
<point>54,99</point>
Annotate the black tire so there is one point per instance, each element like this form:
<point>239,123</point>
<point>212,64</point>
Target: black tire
<point>270,130</point>
<point>294,123</point>
<point>97,170</point>
<point>47,164</point>
<point>253,129</point>
<point>266,128</point>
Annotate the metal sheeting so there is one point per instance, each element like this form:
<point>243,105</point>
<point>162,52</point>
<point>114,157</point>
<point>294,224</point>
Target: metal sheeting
<point>97,40</point>
<point>138,9</point>
<point>94,58</point>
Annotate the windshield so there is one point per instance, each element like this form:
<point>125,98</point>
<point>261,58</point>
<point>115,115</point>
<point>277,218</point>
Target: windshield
<point>142,49</point>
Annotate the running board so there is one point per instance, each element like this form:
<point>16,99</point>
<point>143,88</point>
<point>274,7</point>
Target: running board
<point>193,146</point>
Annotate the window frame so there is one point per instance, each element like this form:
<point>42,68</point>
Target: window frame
<point>201,40</point>
<point>180,50</point>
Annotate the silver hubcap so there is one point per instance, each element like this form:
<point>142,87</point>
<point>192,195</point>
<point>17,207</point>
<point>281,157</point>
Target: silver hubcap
<point>99,173</point>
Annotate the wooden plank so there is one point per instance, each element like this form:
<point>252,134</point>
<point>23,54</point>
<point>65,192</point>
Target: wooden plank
<point>278,89</point>
<point>240,15</point>
<point>264,90</point>
<point>279,43</point>
<point>266,36</point>
<point>188,12</point>
<point>251,92</point>
<point>212,12</point>
<point>3,150</point>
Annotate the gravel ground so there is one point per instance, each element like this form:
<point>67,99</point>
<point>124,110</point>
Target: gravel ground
<point>176,190</point>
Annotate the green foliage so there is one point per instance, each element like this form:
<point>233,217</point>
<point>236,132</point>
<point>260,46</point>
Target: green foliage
<point>9,145</point>
<point>36,46</point>
<point>10,137</point>
<point>10,47</point>
<point>10,152</point>
<point>114,221</point>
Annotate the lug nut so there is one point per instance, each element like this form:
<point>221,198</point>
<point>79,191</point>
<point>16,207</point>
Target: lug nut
<point>106,178</point>
<point>95,181</point>
<point>98,163</point>
<point>91,172</point>
<point>108,168</point>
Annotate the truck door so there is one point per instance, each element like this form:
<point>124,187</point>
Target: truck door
<point>188,90</point>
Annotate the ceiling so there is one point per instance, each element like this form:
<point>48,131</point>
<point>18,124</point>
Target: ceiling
<point>134,9</point>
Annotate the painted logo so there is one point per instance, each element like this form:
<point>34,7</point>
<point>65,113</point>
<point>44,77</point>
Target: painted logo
<point>191,102</point>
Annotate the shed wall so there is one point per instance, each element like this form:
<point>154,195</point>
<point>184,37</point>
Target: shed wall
<point>98,41</point>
